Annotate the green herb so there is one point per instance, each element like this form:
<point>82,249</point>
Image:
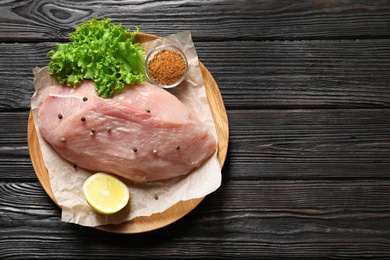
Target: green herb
<point>100,51</point>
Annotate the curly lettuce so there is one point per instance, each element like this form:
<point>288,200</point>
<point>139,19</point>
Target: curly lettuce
<point>100,51</point>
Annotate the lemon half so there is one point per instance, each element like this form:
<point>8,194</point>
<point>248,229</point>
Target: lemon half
<point>105,193</point>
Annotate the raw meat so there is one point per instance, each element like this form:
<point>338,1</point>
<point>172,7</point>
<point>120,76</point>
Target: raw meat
<point>142,134</point>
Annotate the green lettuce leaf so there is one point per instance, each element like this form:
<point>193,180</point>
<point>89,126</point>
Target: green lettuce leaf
<point>100,51</point>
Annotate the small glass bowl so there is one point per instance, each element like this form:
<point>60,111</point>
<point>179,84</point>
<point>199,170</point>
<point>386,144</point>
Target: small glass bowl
<point>150,56</point>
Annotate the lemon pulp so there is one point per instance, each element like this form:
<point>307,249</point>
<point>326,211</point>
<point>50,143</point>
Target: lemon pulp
<point>105,193</point>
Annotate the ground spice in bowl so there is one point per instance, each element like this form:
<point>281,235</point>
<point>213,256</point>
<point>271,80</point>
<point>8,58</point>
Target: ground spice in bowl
<point>166,66</point>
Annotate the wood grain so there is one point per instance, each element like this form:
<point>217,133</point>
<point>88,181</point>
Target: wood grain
<point>208,20</point>
<point>306,88</point>
<point>158,220</point>
<point>301,219</point>
<point>261,75</point>
<point>267,144</point>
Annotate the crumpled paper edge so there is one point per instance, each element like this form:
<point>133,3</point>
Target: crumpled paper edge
<point>199,183</point>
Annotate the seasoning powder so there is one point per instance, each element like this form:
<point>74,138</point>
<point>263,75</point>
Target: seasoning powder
<point>167,67</point>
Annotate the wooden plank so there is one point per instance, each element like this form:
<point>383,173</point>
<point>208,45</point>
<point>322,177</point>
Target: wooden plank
<point>209,20</point>
<point>309,143</point>
<point>301,74</point>
<point>265,144</point>
<point>278,218</point>
<point>279,74</point>
<point>14,156</point>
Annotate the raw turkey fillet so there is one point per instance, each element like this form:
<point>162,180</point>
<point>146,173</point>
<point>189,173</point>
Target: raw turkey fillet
<point>142,134</point>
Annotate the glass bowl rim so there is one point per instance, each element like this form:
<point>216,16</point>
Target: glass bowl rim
<point>157,49</point>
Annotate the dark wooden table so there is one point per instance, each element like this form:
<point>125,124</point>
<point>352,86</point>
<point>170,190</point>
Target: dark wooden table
<point>306,85</point>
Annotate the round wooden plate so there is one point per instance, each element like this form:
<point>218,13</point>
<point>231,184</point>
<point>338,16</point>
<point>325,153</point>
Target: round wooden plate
<point>177,211</point>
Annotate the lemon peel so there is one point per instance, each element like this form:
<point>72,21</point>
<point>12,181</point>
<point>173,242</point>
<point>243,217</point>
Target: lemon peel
<point>105,193</point>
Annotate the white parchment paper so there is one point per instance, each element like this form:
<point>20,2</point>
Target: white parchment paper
<point>146,198</point>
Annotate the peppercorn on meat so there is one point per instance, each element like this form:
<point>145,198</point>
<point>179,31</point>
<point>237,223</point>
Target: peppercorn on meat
<point>143,133</point>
